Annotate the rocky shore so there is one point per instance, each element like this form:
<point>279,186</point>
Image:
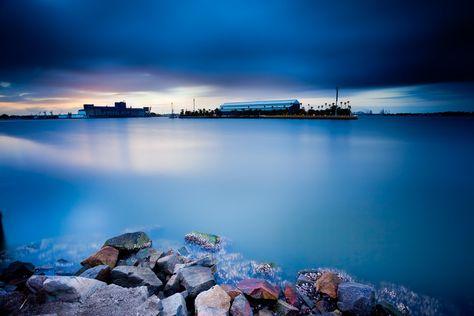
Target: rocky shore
<point>127,276</point>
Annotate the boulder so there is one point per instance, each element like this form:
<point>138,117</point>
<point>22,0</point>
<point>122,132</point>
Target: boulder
<point>167,263</point>
<point>384,308</point>
<point>18,272</point>
<point>10,302</point>
<point>206,241</point>
<point>231,290</point>
<point>129,242</point>
<point>259,289</point>
<point>326,305</point>
<point>284,309</point>
<point>151,307</point>
<point>214,301</point>
<point>355,298</point>
<point>290,295</point>
<point>241,307</point>
<point>265,312</point>
<point>196,279</point>
<point>206,261</point>
<point>266,268</point>
<point>327,284</point>
<point>129,276</point>
<point>116,300</point>
<point>172,286</point>
<point>175,305</point>
<point>107,255</point>
<point>147,257</point>
<point>101,273</point>
<point>64,288</point>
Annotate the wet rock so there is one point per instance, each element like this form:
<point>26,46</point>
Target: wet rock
<point>231,290</point>
<point>101,273</point>
<point>327,284</point>
<point>64,288</point>
<point>151,307</point>
<point>285,309</point>
<point>384,308</point>
<point>128,276</point>
<point>129,242</point>
<point>240,306</point>
<point>107,255</point>
<point>206,241</point>
<point>214,301</point>
<point>265,312</point>
<point>355,298</point>
<point>175,305</point>
<point>167,263</point>
<point>206,261</point>
<point>147,257</point>
<point>172,286</point>
<point>17,272</point>
<point>290,294</point>
<point>325,306</point>
<point>259,289</point>
<point>183,251</point>
<point>266,268</point>
<point>196,279</point>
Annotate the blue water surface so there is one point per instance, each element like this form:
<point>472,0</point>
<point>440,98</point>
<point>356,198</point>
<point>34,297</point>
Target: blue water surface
<point>382,198</point>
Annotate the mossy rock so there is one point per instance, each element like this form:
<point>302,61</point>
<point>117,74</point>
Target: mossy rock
<point>129,242</point>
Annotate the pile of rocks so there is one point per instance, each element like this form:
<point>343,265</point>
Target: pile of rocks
<point>129,277</point>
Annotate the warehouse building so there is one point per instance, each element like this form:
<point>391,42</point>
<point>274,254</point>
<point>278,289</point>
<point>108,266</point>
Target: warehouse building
<point>261,106</point>
<point>118,110</point>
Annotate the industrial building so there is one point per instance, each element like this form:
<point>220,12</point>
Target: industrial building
<point>260,106</point>
<point>118,110</point>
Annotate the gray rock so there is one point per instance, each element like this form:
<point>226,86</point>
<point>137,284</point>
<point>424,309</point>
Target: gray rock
<point>214,301</point>
<point>196,279</point>
<point>285,309</point>
<point>167,263</point>
<point>116,300</point>
<point>64,288</point>
<point>172,286</point>
<point>128,276</point>
<point>18,272</point>
<point>151,307</point>
<point>206,261</point>
<point>265,312</point>
<point>101,273</point>
<point>148,257</point>
<point>355,298</point>
<point>129,242</point>
<point>175,305</point>
<point>241,307</point>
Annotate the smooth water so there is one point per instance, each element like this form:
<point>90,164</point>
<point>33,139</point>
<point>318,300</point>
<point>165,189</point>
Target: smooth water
<point>382,198</point>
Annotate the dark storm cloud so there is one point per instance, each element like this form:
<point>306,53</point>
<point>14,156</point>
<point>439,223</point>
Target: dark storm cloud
<point>308,43</point>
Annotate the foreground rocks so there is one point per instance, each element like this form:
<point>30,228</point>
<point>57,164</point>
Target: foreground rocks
<point>129,277</point>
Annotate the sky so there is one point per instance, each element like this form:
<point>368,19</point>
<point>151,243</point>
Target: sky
<point>400,56</point>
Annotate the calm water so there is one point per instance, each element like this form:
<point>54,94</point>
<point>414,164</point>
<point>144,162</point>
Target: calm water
<point>384,199</point>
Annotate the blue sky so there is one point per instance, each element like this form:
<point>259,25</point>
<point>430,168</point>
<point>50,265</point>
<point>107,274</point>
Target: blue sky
<point>398,56</point>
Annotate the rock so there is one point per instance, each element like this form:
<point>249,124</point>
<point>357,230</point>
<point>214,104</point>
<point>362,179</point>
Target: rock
<point>18,272</point>
<point>231,290</point>
<point>107,255</point>
<point>172,286</point>
<point>64,288</point>
<point>206,241</point>
<point>175,305</point>
<point>128,276</point>
<point>183,251</point>
<point>266,268</point>
<point>147,257</point>
<point>384,308</point>
<point>326,305</point>
<point>327,284</point>
<point>151,307</point>
<point>129,260</point>
<point>259,289</point>
<point>265,312</point>
<point>196,279</point>
<point>285,309</point>
<point>355,298</point>
<point>206,261</point>
<point>101,273</point>
<point>10,302</point>
<point>167,263</point>
<point>290,295</point>
<point>214,301</point>
<point>241,307</point>
<point>116,300</point>
<point>129,242</point>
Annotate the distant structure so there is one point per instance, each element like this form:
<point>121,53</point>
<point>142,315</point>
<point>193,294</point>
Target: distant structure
<point>261,106</point>
<point>80,114</point>
<point>118,110</point>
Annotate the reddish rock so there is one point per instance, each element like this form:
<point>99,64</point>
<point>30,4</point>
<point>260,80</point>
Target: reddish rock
<point>328,283</point>
<point>259,289</point>
<point>231,290</point>
<point>290,294</point>
<point>107,255</point>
